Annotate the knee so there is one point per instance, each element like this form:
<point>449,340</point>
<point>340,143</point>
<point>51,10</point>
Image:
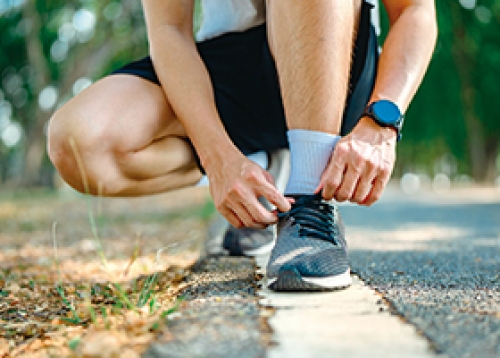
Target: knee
<point>76,151</point>
<point>61,143</point>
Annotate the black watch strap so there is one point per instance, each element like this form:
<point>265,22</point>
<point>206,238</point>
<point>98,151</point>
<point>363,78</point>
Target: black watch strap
<point>386,114</point>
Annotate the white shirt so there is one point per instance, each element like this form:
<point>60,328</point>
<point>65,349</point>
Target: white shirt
<point>217,17</point>
<point>213,18</point>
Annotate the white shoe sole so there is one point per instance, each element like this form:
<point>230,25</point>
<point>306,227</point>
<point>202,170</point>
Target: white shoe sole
<point>309,283</point>
<point>263,250</point>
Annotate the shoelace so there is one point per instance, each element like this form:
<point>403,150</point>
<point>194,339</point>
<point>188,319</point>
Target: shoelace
<point>315,218</point>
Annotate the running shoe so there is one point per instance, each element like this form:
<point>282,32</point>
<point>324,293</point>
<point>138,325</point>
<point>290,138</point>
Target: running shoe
<point>311,252</point>
<point>224,239</point>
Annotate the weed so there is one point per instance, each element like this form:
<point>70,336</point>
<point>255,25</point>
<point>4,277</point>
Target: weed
<point>104,314</point>
<point>73,344</point>
<point>76,319</point>
<point>90,210</point>
<point>143,294</point>
<point>147,290</point>
<point>171,310</point>
<point>123,297</point>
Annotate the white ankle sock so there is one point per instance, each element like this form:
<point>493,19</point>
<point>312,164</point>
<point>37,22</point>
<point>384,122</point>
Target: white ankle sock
<point>309,155</point>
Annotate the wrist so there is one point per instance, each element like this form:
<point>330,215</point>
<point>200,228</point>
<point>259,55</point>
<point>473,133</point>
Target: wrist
<point>214,157</point>
<point>367,127</point>
<point>380,128</point>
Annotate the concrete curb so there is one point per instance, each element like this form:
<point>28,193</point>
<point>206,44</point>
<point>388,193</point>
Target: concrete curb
<point>350,323</point>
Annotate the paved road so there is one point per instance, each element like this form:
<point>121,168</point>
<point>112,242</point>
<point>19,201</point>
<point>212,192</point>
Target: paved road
<point>436,258</point>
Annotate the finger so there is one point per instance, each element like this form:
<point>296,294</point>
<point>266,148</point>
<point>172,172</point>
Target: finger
<point>269,178</point>
<point>332,176</point>
<point>349,183</point>
<point>332,179</point>
<point>253,212</point>
<point>380,182</point>
<point>376,192</point>
<point>239,201</point>
<point>362,190</point>
<point>364,186</point>
<point>243,215</point>
<point>269,191</point>
<point>231,218</point>
<point>259,213</point>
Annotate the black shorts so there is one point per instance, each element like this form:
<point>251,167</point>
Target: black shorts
<point>246,87</point>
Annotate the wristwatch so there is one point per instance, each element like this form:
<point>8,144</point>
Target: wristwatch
<point>386,114</point>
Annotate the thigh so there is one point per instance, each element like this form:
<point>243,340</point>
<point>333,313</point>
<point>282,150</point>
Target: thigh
<point>122,111</point>
<point>120,137</point>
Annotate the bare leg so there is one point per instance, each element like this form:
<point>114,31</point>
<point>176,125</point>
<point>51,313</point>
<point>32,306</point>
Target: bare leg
<point>312,45</point>
<point>127,137</point>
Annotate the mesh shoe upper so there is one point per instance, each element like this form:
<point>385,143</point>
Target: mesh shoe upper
<point>243,241</point>
<point>310,240</point>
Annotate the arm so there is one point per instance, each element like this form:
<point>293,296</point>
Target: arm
<point>183,75</point>
<point>235,182</point>
<point>363,161</point>
<point>407,50</point>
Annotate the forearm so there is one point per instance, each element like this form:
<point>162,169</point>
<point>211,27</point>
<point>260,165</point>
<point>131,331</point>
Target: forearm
<point>362,162</point>
<point>406,55</point>
<point>187,86</point>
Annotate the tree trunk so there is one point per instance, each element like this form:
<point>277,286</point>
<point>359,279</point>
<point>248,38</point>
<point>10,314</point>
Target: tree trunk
<point>34,151</point>
<point>475,135</point>
<point>465,60</point>
<point>492,152</point>
<point>34,155</point>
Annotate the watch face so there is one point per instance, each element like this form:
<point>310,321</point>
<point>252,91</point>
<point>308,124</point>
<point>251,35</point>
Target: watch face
<point>386,112</point>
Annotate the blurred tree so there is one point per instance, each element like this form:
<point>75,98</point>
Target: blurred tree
<point>51,50</point>
<point>455,110</point>
<point>476,53</point>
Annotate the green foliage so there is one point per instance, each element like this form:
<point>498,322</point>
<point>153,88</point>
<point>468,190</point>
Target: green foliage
<point>56,43</point>
<point>466,59</point>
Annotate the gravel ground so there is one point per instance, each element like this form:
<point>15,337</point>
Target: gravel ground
<point>436,259</point>
<point>220,316</point>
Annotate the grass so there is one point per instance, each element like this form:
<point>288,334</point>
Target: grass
<point>110,267</point>
<point>61,302</point>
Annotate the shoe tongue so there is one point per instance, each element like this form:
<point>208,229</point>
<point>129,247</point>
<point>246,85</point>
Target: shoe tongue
<point>311,214</point>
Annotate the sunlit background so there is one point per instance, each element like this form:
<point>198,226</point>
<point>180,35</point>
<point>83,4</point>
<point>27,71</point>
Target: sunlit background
<point>51,50</point>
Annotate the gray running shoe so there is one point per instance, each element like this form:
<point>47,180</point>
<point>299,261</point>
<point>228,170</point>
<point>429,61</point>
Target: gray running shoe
<point>224,239</point>
<point>310,253</point>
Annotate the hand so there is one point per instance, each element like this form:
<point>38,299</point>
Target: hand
<point>361,164</point>
<point>236,184</point>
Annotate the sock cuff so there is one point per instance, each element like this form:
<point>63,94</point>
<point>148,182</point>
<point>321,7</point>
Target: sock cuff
<point>304,135</point>
<point>310,152</point>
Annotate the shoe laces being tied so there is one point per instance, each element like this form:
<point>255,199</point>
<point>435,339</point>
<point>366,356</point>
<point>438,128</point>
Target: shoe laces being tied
<point>315,218</point>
